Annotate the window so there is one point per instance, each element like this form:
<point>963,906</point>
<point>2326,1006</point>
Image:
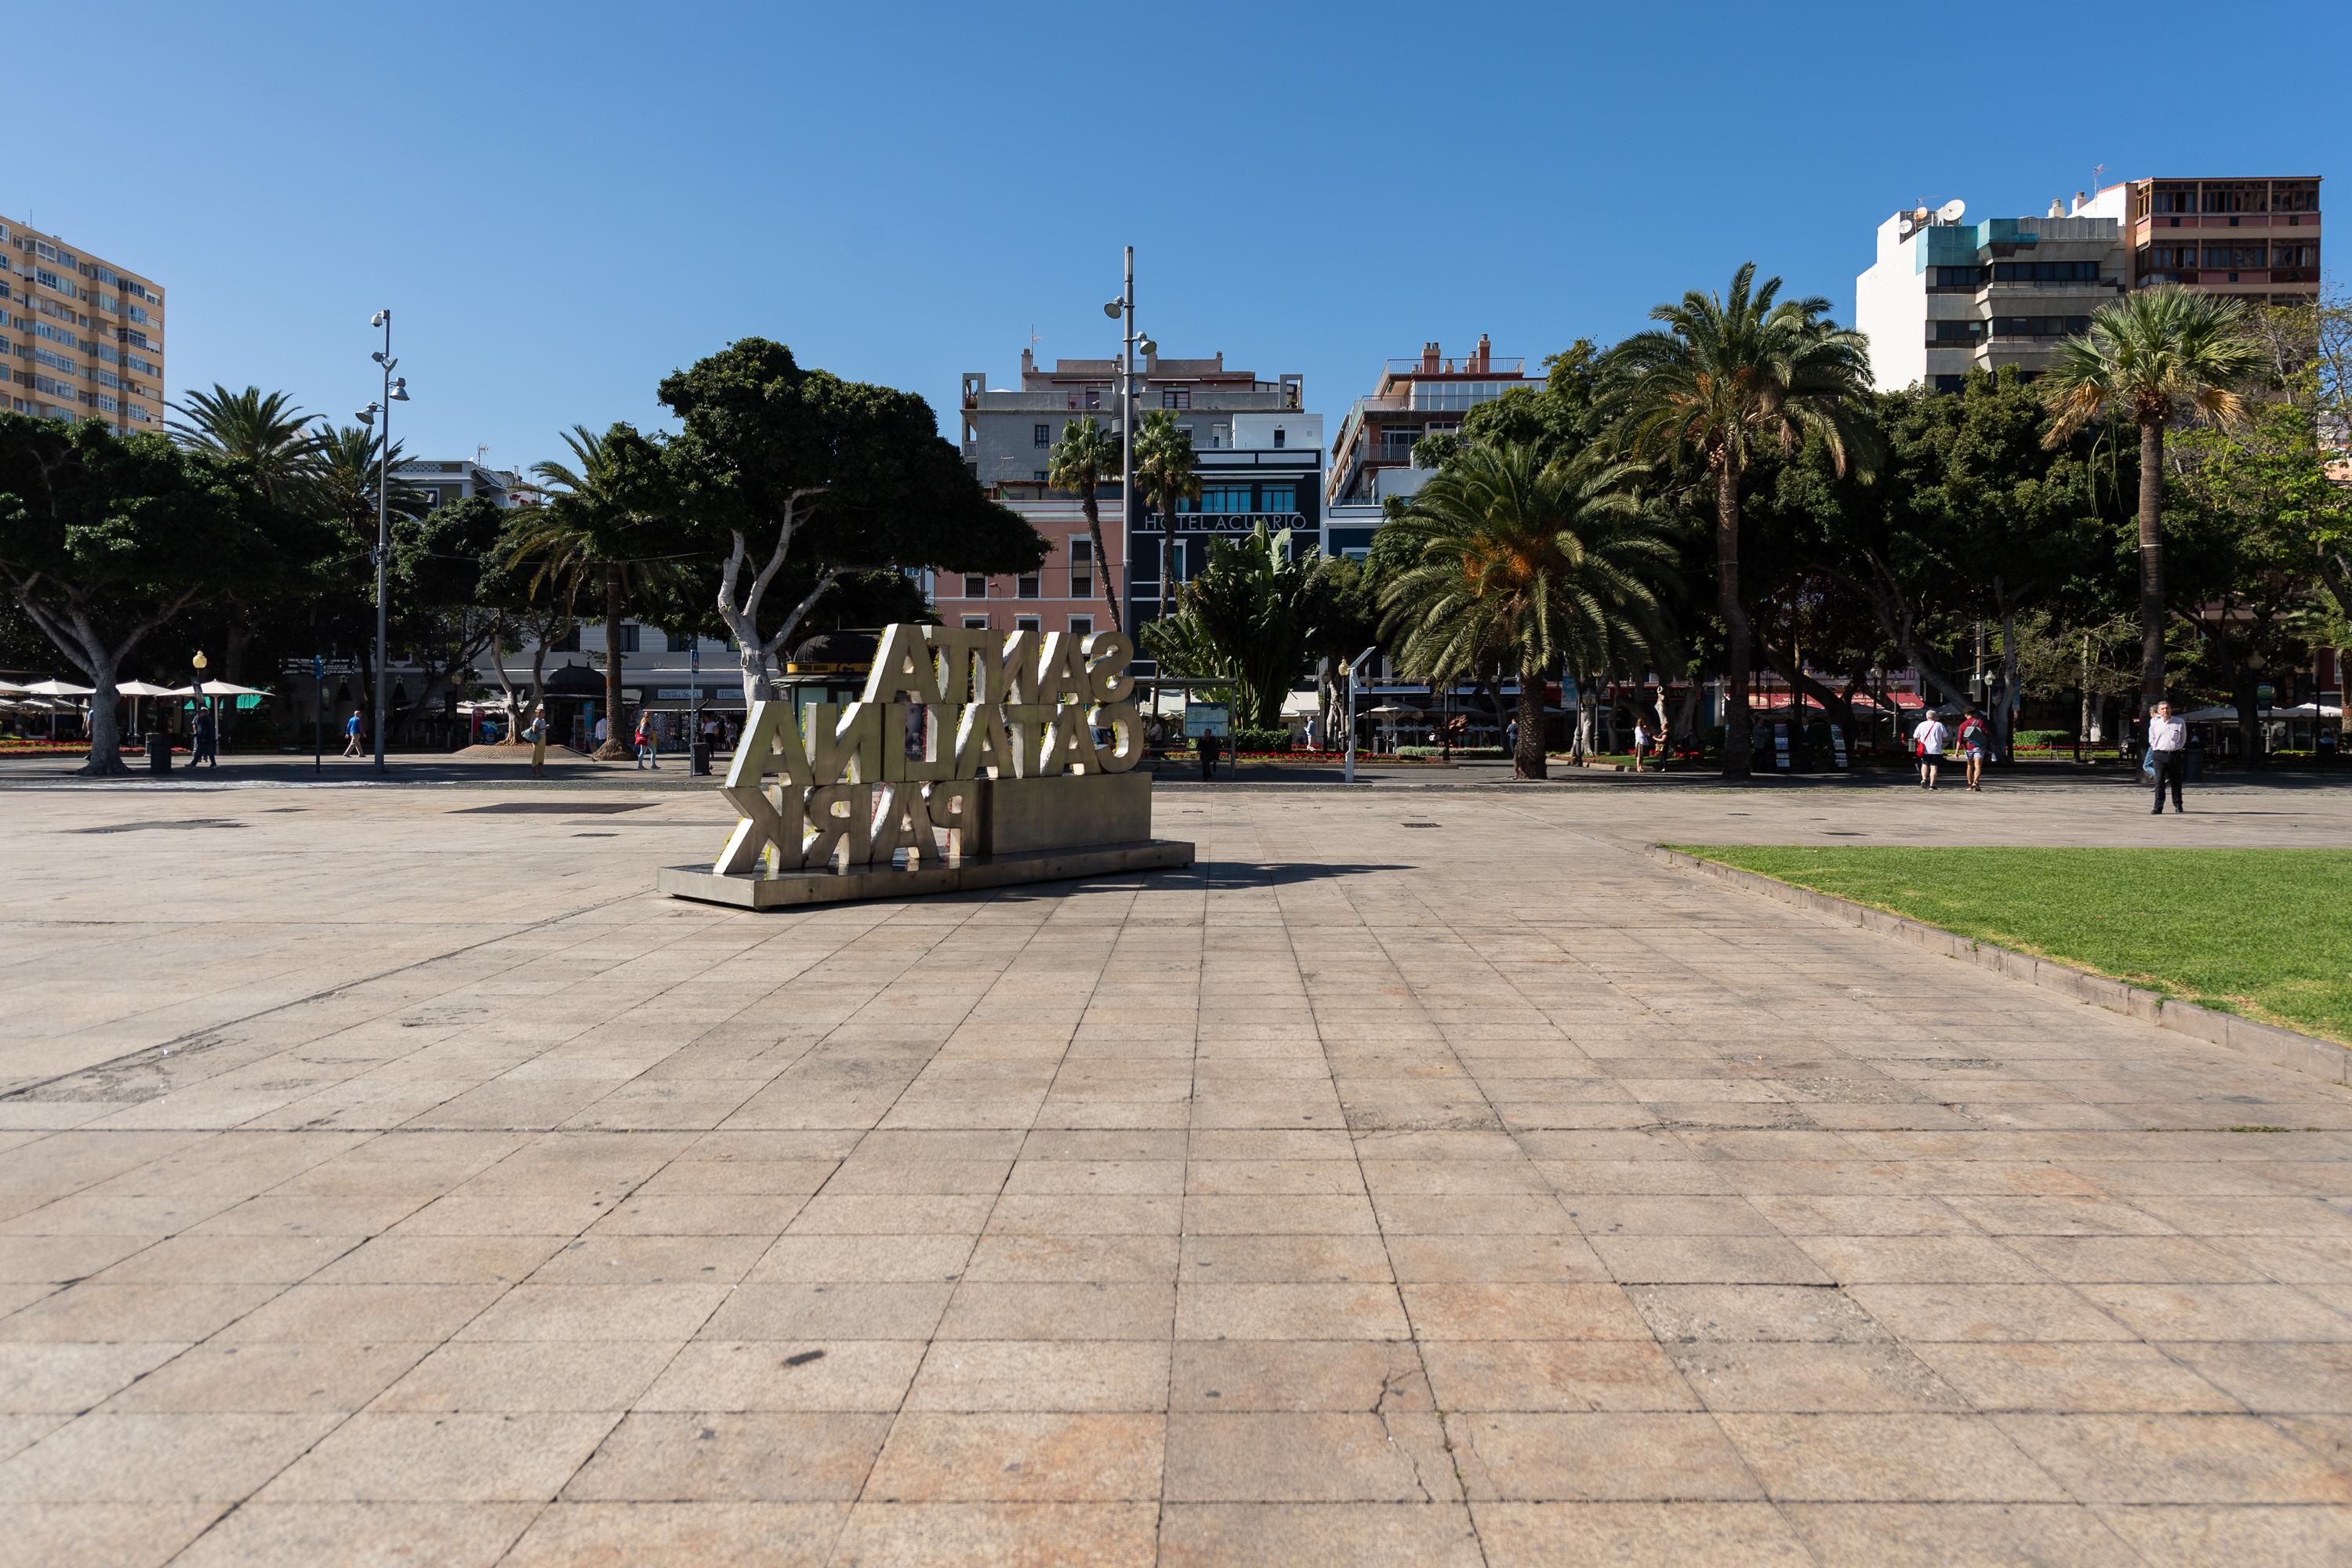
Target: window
<point>1277,498</point>
<point>2295,196</point>
<point>1027,623</point>
<point>2045,272</point>
<point>138,315</point>
<point>2040,326</point>
<point>1961,278</point>
<point>2295,255</point>
<point>1958,332</point>
<point>2176,196</point>
<point>1279,435</point>
<point>1037,477</point>
<point>1951,383</point>
<point>1025,587</point>
<point>975,623</point>
<point>1221,499</point>
<point>629,636</point>
<point>2170,257</point>
<point>975,586</point>
<point>55,361</point>
<point>1453,394</point>
<point>2237,195</point>
<point>1081,568</point>
<point>1082,625</point>
<point>105,377</point>
<point>1041,435</point>
<point>105,404</point>
<point>1175,397</point>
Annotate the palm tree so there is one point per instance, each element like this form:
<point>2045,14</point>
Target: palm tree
<point>2158,355</point>
<point>339,480</point>
<point>1077,462</point>
<point>1726,373</point>
<point>263,430</point>
<point>1164,473</point>
<point>586,530</point>
<point>1248,613</point>
<point>1505,558</point>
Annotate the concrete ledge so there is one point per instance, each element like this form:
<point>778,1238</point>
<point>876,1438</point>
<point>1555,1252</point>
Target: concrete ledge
<point>2282,1047</point>
<point>793,889</point>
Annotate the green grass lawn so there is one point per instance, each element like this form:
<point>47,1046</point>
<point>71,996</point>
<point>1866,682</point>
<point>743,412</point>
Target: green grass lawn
<point>2263,933</point>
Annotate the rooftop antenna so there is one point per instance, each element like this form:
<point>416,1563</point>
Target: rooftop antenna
<point>1033,338</point>
<point>481,452</point>
<point>2097,170</point>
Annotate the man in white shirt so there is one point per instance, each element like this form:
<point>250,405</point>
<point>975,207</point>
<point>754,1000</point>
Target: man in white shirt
<point>1930,737</point>
<point>2168,743</point>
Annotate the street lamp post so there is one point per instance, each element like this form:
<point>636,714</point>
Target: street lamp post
<point>396,390</point>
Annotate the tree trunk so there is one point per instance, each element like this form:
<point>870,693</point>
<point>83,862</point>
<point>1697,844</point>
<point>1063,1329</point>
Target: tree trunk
<point>2012,699</point>
<point>2151,564</point>
<point>1102,562</point>
<point>614,748</point>
<point>105,729</point>
<point>1736,733</point>
<point>1528,761</point>
<point>2246,696</point>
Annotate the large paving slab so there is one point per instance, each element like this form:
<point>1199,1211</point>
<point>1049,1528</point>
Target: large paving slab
<point>1427,1175</point>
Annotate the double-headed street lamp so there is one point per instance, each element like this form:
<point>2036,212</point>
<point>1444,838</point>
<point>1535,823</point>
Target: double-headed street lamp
<point>396,390</point>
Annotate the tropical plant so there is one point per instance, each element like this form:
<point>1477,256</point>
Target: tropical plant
<point>591,531</point>
<point>1248,614</point>
<point>1503,557</point>
<point>2158,355</point>
<point>1166,476</point>
<point>263,430</point>
<point>1078,462</point>
<point>1727,374</point>
<point>340,480</point>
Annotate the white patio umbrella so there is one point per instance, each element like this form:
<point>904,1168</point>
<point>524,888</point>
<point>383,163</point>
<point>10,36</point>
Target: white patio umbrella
<point>135,690</point>
<point>59,688</point>
<point>10,688</point>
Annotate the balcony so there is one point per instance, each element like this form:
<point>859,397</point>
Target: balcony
<point>1466,364</point>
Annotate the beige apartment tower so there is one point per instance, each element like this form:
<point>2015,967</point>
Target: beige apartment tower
<point>81,338</point>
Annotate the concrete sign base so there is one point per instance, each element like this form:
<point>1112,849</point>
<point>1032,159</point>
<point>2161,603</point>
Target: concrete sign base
<point>790,889</point>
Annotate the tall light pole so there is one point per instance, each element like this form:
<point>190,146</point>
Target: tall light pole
<point>1122,311</point>
<point>396,390</point>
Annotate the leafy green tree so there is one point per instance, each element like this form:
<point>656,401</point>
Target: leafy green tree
<point>1252,607</point>
<point>844,477</point>
<point>2157,354</point>
<point>1727,375</point>
<point>1167,477</point>
<point>1504,558</point>
<point>1344,620</point>
<point>1078,462</point>
<point>104,540</point>
<point>595,532</point>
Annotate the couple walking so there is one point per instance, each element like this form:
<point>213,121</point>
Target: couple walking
<point>1972,743</point>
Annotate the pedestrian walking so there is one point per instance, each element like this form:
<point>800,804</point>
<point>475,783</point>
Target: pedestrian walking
<point>645,757</point>
<point>207,743</point>
<point>2168,744</point>
<point>1976,745</point>
<point>351,735</point>
<point>603,732</point>
<point>1930,739</point>
<point>1641,742</point>
<point>1511,738</point>
<point>536,734</point>
<point>1209,744</point>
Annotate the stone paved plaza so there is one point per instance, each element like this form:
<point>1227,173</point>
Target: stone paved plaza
<point>1426,1178</point>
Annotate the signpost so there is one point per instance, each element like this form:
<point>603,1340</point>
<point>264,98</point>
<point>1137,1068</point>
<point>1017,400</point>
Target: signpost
<point>319,713</point>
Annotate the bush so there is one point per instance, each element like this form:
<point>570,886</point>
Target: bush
<point>1261,740</point>
<point>1458,751</point>
<point>2045,737</point>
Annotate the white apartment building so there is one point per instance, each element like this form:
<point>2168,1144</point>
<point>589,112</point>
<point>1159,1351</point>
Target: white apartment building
<point>1945,297</point>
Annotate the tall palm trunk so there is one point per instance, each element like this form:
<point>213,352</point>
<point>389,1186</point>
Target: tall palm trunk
<point>1527,759</point>
<point>613,750</point>
<point>2151,563</point>
<point>1735,652</point>
<point>1102,562</point>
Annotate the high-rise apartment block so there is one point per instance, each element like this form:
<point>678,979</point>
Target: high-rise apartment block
<point>81,338</point>
<point>1372,459</point>
<point>1945,297</point>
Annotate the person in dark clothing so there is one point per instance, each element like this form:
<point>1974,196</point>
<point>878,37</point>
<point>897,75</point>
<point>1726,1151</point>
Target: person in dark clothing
<point>1210,746</point>
<point>207,746</point>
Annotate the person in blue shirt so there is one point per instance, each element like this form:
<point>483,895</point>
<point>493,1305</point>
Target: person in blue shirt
<point>351,735</point>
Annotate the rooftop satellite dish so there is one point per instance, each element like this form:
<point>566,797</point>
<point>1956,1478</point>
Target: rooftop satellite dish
<point>1950,211</point>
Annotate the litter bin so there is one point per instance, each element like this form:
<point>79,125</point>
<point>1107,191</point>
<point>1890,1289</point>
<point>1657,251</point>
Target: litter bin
<point>159,752</point>
<point>2193,768</point>
<point>701,764</point>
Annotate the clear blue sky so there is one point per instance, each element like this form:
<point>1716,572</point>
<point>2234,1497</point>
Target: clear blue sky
<point>564,203</point>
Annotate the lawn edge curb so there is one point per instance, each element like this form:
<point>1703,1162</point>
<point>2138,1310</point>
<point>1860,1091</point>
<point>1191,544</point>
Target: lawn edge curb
<point>2303,1053</point>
